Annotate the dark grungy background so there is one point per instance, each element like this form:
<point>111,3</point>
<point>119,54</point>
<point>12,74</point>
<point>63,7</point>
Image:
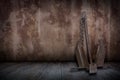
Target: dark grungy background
<point>48,30</point>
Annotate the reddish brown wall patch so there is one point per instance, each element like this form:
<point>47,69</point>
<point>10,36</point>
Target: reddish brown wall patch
<point>44,30</point>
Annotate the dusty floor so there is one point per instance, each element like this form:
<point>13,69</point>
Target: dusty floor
<point>55,71</point>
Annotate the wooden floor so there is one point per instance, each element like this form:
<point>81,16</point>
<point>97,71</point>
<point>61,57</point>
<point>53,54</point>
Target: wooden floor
<point>55,71</point>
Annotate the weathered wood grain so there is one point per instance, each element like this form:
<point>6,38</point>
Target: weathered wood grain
<point>55,71</point>
<point>39,30</point>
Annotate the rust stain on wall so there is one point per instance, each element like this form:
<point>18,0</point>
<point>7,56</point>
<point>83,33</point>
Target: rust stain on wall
<point>43,30</point>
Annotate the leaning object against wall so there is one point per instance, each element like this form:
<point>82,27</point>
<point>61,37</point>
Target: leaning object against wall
<point>48,30</point>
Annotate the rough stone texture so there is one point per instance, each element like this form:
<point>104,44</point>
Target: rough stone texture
<point>49,29</point>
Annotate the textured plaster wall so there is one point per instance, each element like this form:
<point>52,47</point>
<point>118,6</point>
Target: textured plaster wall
<point>48,30</point>
<point>115,30</point>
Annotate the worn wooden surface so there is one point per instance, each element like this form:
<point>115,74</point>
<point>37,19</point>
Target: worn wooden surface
<point>55,71</point>
<point>49,29</point>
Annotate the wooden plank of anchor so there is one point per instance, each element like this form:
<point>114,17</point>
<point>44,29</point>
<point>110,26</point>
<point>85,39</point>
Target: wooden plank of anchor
<point>81,57</point>
<point>100,54</point>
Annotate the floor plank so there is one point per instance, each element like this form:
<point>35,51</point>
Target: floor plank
<point>55,71</point>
